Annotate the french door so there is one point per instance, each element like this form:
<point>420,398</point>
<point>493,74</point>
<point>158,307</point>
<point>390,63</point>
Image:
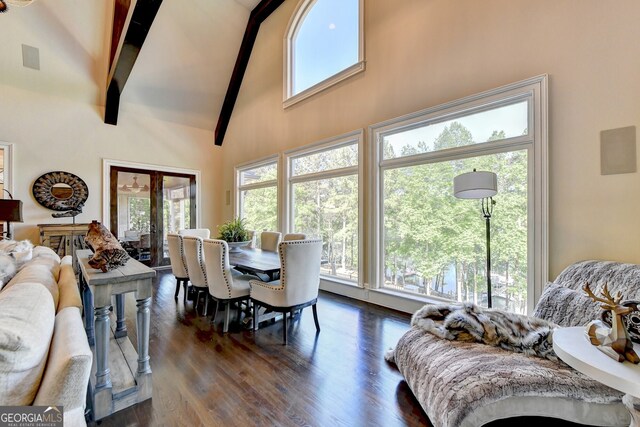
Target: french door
<point>145,206</point>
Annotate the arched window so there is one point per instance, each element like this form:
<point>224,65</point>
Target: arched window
<point>324,45</point>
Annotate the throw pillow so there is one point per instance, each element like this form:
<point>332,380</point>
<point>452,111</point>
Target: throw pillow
<point>566,307</point>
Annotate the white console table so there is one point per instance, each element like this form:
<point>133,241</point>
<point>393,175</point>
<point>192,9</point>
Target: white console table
<point>572,346</point>
<point>120,376</point>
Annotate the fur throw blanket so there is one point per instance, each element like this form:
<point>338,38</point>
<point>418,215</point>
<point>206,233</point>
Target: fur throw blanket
<point>468,322</point>
<point>13,254</point>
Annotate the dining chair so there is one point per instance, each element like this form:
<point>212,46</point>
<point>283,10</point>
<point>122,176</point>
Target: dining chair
<point>269,240</point>
<point>199,232</point>
<point>298,284</point>
<point>226,286</point>
<point>294,236</point>
<point>178,264</point>
<point>194,258</point>
<point>132,234</point>
<point>144,252</point>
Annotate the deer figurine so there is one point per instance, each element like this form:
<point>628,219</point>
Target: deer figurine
<point>614,342</point>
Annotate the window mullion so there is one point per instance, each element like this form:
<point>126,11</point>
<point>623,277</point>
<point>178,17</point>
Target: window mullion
<point>253,186</point>
<point>457,153</point>
<point>352,170</point>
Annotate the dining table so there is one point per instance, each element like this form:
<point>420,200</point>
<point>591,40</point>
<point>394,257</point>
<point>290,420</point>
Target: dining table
<point>256,261</point>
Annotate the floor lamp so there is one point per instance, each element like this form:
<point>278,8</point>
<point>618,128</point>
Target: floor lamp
<point>480,185</point>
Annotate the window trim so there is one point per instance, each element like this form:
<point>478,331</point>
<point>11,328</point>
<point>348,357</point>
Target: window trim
<point>536,90</point>
<point>350,138</point>
<point>275,158</point>
<point>8,167</point>
<point>300,13</point>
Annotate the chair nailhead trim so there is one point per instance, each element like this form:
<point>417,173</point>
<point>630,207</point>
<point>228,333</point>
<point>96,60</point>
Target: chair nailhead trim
<point>281,249</point>
<point>222,266</point>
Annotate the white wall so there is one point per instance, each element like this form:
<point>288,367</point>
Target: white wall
<point>421,53</point>
<point>52,133</point>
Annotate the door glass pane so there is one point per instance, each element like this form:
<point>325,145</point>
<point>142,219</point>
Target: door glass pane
<point>134,214</point>
<point>434,244</point>
<point>328,209</point>
<point>176,207</point>
<point>466,130</point>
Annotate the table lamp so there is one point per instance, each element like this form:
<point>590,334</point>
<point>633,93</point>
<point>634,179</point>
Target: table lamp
<point>10,211</point>
<point>480,185</point>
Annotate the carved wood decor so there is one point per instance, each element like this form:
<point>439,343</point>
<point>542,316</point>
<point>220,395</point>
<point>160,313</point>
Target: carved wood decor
<point>108,253</point>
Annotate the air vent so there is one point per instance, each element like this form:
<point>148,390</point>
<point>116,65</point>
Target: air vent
<point>30,57</point>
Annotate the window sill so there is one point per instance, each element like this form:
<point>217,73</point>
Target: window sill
<point>424,299</point>
<point>333,279</point>
<point>401,301</point>
<point>356,68</point>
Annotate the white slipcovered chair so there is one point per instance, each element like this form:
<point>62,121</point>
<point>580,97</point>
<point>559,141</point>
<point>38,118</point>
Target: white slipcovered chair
<point>194,258</point>
<point>226,286</point>
<point>269,240</point>
<point>298,284</point>
<point>198,232</point>
<point>294,236</point>
<point>132,234</point>
<point>178,263</point>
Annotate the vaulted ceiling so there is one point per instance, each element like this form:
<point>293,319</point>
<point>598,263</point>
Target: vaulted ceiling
<point>181,74</point>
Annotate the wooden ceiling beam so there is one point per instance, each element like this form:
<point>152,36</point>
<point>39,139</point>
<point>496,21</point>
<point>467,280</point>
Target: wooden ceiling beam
<point>133,19</point>
<point>259,13</point>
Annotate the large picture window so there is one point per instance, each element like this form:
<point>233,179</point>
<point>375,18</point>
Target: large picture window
<point>324,201</point>
<point>324,45</point>
<point>431,244</point>
<point>257,195</point>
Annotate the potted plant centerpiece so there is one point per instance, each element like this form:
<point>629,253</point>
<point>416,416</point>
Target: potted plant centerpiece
<point>235,234</point>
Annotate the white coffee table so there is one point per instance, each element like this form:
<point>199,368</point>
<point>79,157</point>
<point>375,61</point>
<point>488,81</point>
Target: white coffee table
<point>573,347</point>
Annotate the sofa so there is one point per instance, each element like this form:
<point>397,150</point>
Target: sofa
<point>45,358</point>
<point>471,384</point>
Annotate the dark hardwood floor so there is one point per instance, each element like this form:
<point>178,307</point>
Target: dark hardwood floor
<point>335,378</point>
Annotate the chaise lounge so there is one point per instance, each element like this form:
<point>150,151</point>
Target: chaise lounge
<point>471,384</point>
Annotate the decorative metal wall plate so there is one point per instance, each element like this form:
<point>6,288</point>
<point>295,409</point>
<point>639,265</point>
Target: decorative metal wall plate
<point>60,191</point>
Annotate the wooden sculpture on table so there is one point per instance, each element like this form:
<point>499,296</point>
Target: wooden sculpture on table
<point>108,253</point>
<point>614,341</point>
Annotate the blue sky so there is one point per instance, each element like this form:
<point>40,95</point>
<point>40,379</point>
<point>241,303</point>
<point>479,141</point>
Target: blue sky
<point>326,43</point>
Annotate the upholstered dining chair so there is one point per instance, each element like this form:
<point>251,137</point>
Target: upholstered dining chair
<point>178,264</point>
<point>194,259</point>
<point>226,286</point>
<point>269,240</point>
<point>298,284</point>
<point>199,232</point>
<point>294,236</point>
